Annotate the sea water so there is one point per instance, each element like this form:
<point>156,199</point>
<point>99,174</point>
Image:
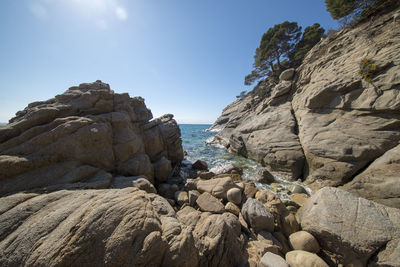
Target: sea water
<point>194,138</point>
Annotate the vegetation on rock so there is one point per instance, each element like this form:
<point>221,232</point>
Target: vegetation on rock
<point>347,11</point>
<point>367,69</point>
<point>282,46</point>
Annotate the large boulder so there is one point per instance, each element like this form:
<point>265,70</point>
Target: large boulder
<point>380,182</point>
<point>81,137</point>
<point>351,228</point>
<point>218,187</point>
<point>92,227</point>
<point>258,217</point>
<point>217,237</point>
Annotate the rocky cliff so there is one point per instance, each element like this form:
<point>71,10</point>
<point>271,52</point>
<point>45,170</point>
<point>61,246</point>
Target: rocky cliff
<point>324,123</point>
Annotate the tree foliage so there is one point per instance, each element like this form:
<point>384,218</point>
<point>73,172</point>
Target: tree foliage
<point>276,44</point>
<point>280,48</point>
<point>350,10</point>
<point>311,36</point>
<point>241,95</point>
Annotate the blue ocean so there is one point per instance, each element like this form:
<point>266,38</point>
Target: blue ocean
<point>194,138</point>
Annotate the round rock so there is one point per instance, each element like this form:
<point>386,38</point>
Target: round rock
<point>272,260</point>
<point>234,195</point>
<point>300,258</point>
<point>303,240</point>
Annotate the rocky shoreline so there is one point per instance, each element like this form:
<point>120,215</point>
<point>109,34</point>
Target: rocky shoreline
<point>88,179</point>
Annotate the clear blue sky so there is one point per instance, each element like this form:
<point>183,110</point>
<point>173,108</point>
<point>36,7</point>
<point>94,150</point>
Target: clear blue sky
<point>186,57</point>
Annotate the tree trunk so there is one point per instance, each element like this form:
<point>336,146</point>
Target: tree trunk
<point>277,59</point>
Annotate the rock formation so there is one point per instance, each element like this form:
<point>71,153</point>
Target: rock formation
<point>327,125</point>
<point>83,138</point>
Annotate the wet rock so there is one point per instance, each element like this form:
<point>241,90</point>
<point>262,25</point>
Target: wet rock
<point>264,176</point>
<point>200,165</point>
<point>297,189</point>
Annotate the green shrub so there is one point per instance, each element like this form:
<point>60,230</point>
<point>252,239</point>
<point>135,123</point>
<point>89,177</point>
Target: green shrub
<point>367,69</point>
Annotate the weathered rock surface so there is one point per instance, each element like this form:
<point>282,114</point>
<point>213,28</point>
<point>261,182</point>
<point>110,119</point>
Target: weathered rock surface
<point>218,187</point>
<point>92,227</point>
<point>330,125</point>
<point>272,260</point>
<point>303,240</point>
<point>350,227</point>
<point>234,195</point>
<point>217,237</point>
<point>380,182</point>
<point>78,138</point>
<point>258,217</point>
<point>207,202</point>
<point>299,258</point>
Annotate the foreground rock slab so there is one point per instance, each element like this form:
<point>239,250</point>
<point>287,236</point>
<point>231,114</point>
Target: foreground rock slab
<point>113,227</point>
<point>350,227</point>
<point>92,227</point>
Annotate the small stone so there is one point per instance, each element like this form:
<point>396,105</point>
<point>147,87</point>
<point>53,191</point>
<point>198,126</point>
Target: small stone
<point>299,258</point>
<point>206,175</point>
<point>294,188</point>
<point>208,202</point>
<point>264,176</point>
<point>234,195</point>
<point>291,208</point>
<point>303,240</point>
<point>264,196</point>
<point>250,189</point>
<point>232,208</point>
<point>200,165</point>
<point>289,224</point>
<point>299,199</point>
<point>272,260</point>
<point>181,197</point>
<point>193,195</point>
<point>191,184</point>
